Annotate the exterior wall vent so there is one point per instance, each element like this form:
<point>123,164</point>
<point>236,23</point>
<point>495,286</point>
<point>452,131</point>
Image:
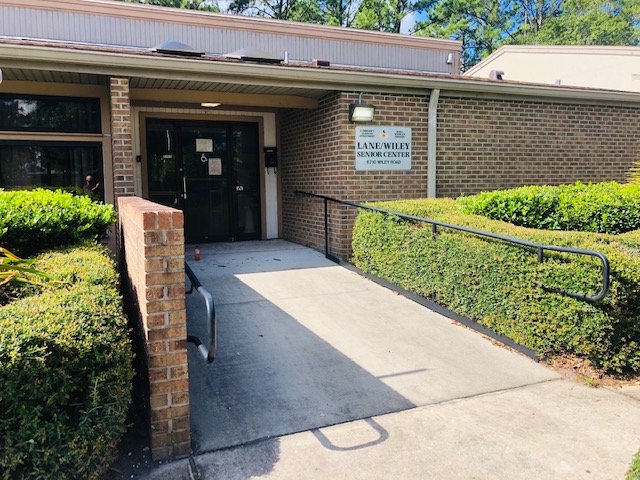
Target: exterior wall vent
<point>173,47</point>
<point>253,55</point>
<point>496,74</point>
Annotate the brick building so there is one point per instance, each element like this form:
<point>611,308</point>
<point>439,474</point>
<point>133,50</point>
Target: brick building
<point>178,107</point>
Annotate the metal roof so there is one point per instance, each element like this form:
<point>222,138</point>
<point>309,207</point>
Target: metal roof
<point>139,25</point>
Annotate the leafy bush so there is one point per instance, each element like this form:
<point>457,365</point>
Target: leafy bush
<point>503,287</point>
<point>72,190</point>
<point>603,207</point>
<point>634,471</point>
<point>77,191</point>
<point>31,221</point>
<point>65,371</point>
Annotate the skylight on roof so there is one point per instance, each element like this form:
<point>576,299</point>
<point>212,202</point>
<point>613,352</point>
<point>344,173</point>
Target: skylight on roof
<point>253,55</point>
<point>173,47</point>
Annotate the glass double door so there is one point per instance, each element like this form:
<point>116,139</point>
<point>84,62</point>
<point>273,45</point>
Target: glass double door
<point>210,170</point>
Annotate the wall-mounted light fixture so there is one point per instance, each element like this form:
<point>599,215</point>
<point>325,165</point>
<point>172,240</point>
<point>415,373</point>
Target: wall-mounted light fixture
<point>209,104</point>
<point>360,112</point>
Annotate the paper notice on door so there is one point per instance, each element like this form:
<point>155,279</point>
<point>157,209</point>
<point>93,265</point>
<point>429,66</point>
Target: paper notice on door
<point>215,166</point>
<point>204,145</point>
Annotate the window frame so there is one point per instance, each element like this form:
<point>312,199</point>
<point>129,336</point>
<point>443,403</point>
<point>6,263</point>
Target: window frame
<point>61,98</point>
<point>100,91</point>
<point>97,145</point>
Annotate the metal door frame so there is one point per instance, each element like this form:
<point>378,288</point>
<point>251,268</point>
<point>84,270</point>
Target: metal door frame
<point>227,122</point>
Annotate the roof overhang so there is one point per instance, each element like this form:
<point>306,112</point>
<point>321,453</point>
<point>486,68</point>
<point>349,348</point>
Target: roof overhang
<point>145,64</point>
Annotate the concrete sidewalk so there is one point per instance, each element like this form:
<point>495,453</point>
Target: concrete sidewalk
<point>324,374</point>
<point>554,430</point>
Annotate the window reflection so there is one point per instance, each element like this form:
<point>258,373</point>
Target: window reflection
<point>49,164</point>
<point>49,114</point>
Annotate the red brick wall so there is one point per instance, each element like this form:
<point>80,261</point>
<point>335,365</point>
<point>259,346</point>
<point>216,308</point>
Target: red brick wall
<point>152,238</point>
<point>483,144</point>
<point>121,138</point>
<point>318,157</point>
<point>495,144</point>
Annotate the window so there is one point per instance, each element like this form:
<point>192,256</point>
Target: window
<point>49,114</point>
<point>63,146</point>
<point>54,164</point>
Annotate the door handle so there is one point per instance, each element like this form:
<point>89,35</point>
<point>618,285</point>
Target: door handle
<point>184,187</point>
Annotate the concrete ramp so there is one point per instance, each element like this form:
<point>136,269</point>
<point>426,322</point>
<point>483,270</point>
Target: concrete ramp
<point>304,344</point>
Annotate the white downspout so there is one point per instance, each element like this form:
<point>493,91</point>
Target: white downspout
<point>431,148</point>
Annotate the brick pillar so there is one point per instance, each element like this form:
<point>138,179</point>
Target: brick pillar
<point>153,242</point>
<point>121,138</point>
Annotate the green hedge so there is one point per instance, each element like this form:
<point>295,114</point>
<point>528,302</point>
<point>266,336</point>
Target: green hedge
<point>634,471</point>
<point>77,191</point>
<point>65,371</point>
<point>502,285</point>
<point>31,221</point>
<point>602,207</point>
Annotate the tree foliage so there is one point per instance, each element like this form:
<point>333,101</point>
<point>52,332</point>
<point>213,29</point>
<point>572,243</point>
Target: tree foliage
<point>296,10</point>
<point>207,5</point>
<point>339,13</point>
<point>589,22</point>
<point>384,15</point>
<point>484,26</point>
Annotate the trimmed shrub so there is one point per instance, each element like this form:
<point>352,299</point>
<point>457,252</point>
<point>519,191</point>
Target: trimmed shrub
<point>65,371</point>
<point>78,191</point>
<point>31,221</point>
<point>503,287</point>
<point>634,471</point>
<point>602,207</point>
<point>72,190</point>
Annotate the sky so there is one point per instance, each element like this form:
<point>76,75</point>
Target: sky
<point>406,26</point>
<point>408,22</point>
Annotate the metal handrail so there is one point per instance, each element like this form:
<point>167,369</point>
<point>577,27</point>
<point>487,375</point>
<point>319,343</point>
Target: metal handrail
<point>209,354</point>
<point>518,241</point>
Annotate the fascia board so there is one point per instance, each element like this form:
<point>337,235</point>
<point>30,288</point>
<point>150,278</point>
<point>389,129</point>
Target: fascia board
<point>491,58</point>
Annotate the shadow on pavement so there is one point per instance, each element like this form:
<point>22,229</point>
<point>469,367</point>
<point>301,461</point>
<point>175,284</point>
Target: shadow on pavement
<point>272,377</point>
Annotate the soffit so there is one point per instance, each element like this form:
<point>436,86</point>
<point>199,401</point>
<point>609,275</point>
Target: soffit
<point>137,82</point>
<point>30,75</point>
<point>47,76</point>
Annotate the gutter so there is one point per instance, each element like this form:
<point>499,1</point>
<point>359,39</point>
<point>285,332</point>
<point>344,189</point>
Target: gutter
<point>148,65</point>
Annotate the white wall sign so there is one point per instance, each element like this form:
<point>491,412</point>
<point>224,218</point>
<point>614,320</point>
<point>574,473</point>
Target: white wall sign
<point>383,148</point>
<point>204,145</point>
<point>215,166</point>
